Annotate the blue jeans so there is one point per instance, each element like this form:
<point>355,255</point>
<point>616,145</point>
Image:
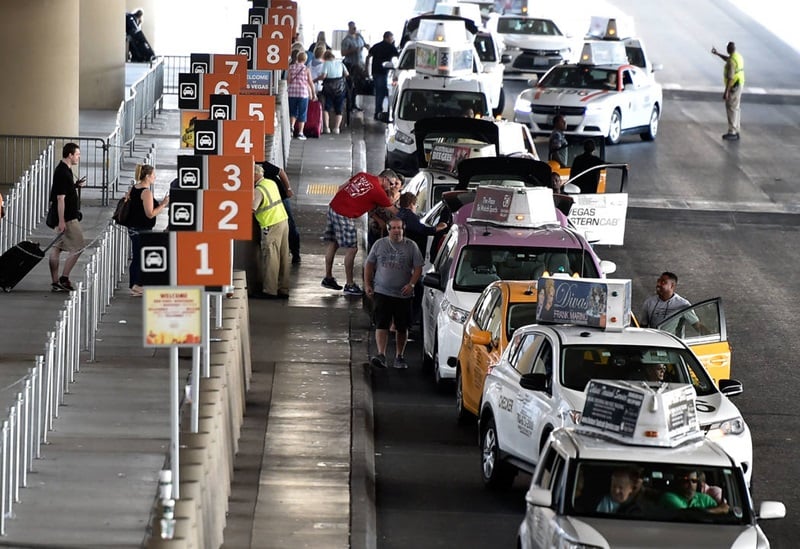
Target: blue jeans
<point>294,234</point>
<point>135,270</point>
<point>381,91</point>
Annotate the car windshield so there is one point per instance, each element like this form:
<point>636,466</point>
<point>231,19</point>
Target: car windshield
<point>581,363</point>
<point>656,492</point>
<point>579,76</point>
<point>478,266</point>
<point>525,25</point>
<point>418,104</point>
<point>520,314</point>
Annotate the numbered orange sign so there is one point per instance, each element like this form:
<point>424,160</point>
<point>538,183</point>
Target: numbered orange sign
<point>233,65</point>
<point>257,107</point>
<point>230,173</point>
<point>273,48</point>
<point>229,212</point>
<point>204,258</point>
<point>221,83</point>
<point>243,137</point>
<point>282,14</point>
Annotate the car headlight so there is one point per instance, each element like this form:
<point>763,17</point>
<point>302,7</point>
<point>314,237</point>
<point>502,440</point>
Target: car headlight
<point>522,105</point>
<point>454,313</point>
<point>403,138</point>
<point>735,426</point>
<point>596,107</point>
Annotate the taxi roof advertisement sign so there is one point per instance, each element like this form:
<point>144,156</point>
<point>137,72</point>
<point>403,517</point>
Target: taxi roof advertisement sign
<point>596,302</point>
<point>600,217</point>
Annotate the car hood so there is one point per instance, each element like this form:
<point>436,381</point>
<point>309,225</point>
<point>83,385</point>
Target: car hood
<point>535,42</point>
<point>570,97</point>
<point>621,534</point>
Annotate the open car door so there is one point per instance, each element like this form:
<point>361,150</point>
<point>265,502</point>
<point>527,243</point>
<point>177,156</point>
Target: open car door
<point>702,327</point>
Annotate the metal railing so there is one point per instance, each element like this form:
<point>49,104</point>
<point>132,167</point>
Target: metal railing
<point>173,66</point>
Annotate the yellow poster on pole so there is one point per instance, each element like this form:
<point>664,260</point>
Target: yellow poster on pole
<point>173,316</point>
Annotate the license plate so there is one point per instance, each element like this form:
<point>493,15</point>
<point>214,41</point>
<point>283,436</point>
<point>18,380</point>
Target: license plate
<point>541,61</point>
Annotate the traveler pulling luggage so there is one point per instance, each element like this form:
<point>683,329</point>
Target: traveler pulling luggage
<point>313,125</point>
<point>19,260</point>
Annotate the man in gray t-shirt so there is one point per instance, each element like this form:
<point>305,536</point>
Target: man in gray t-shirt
<point>392,268</point>
<point>664,303</point>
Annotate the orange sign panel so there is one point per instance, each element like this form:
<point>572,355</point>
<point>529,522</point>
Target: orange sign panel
<point>273,48</point>
<point>204,258</point>
<point>231,64</point>
<point>229,212</point>
<point>243,137</point>
<point>217,82</point>
<point>257,107</point>
<point>230,173</point>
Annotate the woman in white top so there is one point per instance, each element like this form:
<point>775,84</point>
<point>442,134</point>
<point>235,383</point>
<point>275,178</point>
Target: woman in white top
<point>334,90</point>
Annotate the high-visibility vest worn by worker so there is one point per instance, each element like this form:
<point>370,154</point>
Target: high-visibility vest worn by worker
<point>271,210</point>
<point>734,70</point>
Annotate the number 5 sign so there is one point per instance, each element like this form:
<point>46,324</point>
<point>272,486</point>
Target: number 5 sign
<point>204,259</point>
<point>273,48</point>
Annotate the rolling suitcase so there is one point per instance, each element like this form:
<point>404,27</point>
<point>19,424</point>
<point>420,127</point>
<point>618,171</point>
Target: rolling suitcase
<point>19,260</point>
<point>313,125</point>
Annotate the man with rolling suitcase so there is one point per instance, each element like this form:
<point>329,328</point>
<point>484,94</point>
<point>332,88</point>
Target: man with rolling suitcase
<point>64,198</point>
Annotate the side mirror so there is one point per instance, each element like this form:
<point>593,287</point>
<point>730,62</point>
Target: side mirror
<point>481,337</point>
<point>382,117</point>
<point>730,387</point>
<point>571,188</point>
<point>389,65</point>
<point>505,59</point>
<point>532,81</point>
<point>432,280</point>
<point>657,67</point>
<point>608,266</point>
<point>533,382</point>
<point>771,510</point>
<point>540,497</point>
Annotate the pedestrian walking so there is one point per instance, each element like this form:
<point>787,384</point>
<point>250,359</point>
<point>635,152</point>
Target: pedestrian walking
<point>64,198</point>
<point>733,78</point>
<point>380,53</point>
<point>392,269</point>
<point>144,208</point>
<point>300,90</point>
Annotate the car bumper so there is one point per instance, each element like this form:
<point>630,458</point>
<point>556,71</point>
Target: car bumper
<point>590,123</point>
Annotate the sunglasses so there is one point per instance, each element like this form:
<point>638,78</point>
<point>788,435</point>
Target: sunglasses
<point>693,480</point>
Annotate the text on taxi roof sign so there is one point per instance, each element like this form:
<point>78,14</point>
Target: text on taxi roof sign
<point>524,208</point>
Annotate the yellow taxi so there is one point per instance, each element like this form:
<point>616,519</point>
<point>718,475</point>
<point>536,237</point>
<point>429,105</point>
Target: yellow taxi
<point>503,306</point>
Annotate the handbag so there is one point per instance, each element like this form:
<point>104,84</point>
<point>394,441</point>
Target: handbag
<point>123,210</point>
<point>52,216</point>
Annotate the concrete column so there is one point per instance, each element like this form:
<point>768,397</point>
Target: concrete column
<point>102,54</point>
<point>40,67</point>
<point>149,19</point>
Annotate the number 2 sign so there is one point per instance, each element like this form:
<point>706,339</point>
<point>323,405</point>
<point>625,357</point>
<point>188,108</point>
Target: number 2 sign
<point>229,212</point>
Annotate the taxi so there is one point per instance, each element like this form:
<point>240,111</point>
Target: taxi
<point>602,94</point>
<point>532,44</point>
<point>655,462</point>
<point>584,334</point>
<point>502,307</point>
<point>505,233</point>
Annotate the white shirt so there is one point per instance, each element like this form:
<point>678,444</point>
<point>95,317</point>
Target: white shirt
<point>655,310</point>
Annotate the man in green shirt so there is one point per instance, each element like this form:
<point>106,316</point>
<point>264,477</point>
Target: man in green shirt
<point>687,496</point>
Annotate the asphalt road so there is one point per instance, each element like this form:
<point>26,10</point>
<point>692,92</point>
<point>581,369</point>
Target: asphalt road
<point>720,215</point>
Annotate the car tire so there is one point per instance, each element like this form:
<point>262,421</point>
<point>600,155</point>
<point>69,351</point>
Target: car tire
<point>614,128</point>
<point>652,128</point>
<point>462,415</point>
<point>496,474</point>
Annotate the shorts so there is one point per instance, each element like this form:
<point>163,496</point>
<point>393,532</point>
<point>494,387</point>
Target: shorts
<point>72,241</point>
<point>341,230</point>
<point>335,103</point>
<point>298,108</point>
<point>388,309</point>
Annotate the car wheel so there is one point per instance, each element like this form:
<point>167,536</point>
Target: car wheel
<point>614,128</point>
<point>652,128</point>
<point>496,473</point>
<point>461,414</point>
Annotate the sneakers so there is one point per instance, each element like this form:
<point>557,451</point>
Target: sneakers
<point>336,130</point>
<point>330,282</point>
<point>379,361</point>
<point>301,137</point>
<point>730,136</point>
<point>137,291</point>
<point>400,363</point>
<point>65,284</point>
<point>352,289</point>
<point>326,130</point>
<point>56,287</point>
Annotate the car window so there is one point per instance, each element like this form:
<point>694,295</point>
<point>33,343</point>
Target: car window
<point>650,486</point>
<point>408,59</point>
<point>582,363</point>
<point>494,321</point>
<point>520,314</point>
<point>527,353</point>
<point>416,104</point>
<point>446,254</point>
<point>549,469</point>
<point>484,44</point>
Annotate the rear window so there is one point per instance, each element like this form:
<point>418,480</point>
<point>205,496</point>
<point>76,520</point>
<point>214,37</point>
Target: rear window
<point>418,104</point>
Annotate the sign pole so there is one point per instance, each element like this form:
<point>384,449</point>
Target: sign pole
<point>207,337</point>
<point>175,420</point>
<point>195,389</point>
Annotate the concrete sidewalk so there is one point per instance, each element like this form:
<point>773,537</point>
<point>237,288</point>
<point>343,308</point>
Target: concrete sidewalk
<point>96,481</point>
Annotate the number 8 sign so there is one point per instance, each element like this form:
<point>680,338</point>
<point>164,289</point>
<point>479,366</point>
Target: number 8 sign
<point>273,48</point>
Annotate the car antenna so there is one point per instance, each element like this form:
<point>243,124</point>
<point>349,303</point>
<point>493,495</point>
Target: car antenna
<point>529,291</point>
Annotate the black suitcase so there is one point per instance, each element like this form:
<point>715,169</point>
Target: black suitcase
<point>140,49</point>
<point>19,260</point>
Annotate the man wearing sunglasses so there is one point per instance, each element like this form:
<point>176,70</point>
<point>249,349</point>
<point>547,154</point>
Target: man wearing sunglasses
<point>686,495</point>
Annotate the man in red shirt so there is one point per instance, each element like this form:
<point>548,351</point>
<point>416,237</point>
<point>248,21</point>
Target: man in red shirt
<point>355,197</point>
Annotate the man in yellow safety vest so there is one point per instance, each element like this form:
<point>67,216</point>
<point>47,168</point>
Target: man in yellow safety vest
<point>273,220</point>
<point>733,76</point>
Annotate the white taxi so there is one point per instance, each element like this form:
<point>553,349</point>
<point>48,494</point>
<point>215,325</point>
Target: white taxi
<point>639,473</point>
<point>538,384</point>
<point>532,44</point>
<point>602,94</point>
<point>506,233</point>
